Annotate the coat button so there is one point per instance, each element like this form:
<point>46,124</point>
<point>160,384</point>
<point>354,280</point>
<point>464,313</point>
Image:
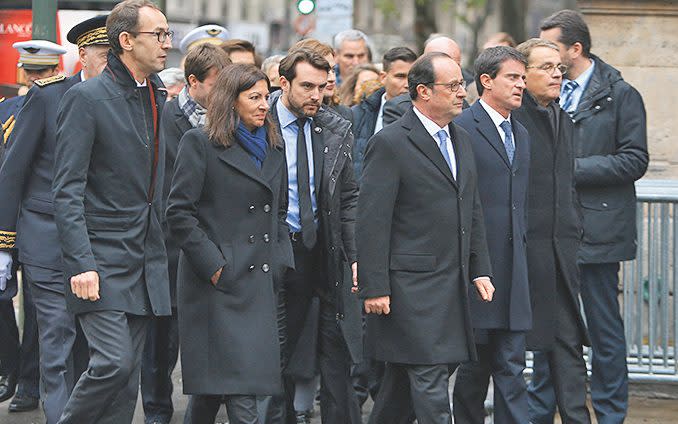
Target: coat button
<point>251,268</point>
<point>332,248</point>
<point>251,239</point>
<point>267,238</point>
<point>329,213</point>
<point>340,317</point>
<point>252,208</point>
<point>510,238</point>
<point>265,267</point>
<point>597,107</point>
<point>336,284</point>
<point>463,230</point>
<point>604,204</point>
<point>267,208</point>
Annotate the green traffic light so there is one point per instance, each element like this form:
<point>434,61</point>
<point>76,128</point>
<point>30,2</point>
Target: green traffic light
<point>305,6</point>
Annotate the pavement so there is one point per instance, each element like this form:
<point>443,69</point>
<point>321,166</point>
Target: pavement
<point>642,410</point>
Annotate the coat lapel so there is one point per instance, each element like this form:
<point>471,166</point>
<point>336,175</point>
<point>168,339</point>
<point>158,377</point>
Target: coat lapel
<point>424,142</point>
<point>489,132</point>
<point>521,144</point>
<point>318,144</point>
<point>181,121</point>
<point>236,157</point>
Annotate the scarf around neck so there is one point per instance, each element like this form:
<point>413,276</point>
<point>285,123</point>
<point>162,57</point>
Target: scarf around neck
<point>255,143</point>
<point>195,113</point>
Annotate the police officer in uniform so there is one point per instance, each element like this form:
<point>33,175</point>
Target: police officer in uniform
<point>26,208</point>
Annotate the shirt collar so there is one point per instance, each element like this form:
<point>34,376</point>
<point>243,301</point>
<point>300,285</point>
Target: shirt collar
<point>495,116</point>
<point>583,79</point>
<point>431,127</point>
<point>285,117</point>
<point>82,76</point>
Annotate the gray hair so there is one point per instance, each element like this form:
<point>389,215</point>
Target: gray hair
<point>172,76</point>
<point>349,35</point>
<point>268,63</point>
<point>526,47</point>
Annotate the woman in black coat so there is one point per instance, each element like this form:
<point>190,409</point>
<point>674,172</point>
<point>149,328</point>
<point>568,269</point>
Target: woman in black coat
<point>226,211</point>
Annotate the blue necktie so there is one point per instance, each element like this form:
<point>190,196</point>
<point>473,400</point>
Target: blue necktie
<point>442,136</point>
<point>568,95</point>
<point>508,140</point>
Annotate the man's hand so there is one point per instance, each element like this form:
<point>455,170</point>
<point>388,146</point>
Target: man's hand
<point>5,269</point>
<point>485,288</point>
<point>354,268</point>
<point>86,285</point>
<point>378,305</point>
<point>215,278</point>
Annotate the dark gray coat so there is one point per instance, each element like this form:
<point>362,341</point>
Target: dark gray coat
<point>26,177</point>
<point>503,195</point>
<point>610,145</point>
<point>107,197</point>
<point>421,240</point>
<point>337,190</point>
<point>225,212</point>
<point>554,222</point>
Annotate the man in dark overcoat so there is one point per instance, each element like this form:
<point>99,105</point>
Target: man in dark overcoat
<point>502,151</point>
<point>321,217</point>
<point>610,143</point>
<point>26,188</point>
<point>421,243</point>
<point>554,233</point>
<point>108,198</point>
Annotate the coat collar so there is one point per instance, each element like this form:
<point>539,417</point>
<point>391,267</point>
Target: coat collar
<point>119,73</point>
<point>488,130</point>
<point>238,158</point>
<point>418,135</point>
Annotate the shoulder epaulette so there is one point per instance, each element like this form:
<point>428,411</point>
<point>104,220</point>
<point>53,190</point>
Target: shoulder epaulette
<point>51,80</point>
<point>2,99</point>
<point>7,239</point>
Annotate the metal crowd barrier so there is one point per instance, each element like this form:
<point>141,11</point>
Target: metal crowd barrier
<point>648,285</point>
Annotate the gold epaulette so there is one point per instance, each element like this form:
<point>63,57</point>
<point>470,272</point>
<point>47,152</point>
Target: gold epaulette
<point>2,99</point>
<point>7,239</point>
<point>7,127</point>
<point>51,80</point>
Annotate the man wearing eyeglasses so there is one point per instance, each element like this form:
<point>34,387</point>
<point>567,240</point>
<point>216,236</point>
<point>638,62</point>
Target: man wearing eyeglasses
<point>108,179</point>
<point>421,244</point>
<point>502,153</point>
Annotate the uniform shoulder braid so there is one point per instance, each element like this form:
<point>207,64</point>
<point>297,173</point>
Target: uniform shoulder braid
<point>50,80</point>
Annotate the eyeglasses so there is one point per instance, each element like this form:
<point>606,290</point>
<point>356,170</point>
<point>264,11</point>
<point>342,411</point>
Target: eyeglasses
<point>551,68</point>
<point>452,86</point>
<point>162,36</point>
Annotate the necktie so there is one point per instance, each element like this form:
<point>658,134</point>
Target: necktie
<point>508,140</point>
<point>308,231</point>
<point>442,136</point>
<point>568,95</point>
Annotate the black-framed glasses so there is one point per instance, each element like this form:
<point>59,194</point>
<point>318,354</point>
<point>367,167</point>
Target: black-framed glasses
<point>550,68</point>
<point>162,36</point>
<point>452,86</point>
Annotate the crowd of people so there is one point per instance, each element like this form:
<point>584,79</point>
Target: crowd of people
<point>316,224</point>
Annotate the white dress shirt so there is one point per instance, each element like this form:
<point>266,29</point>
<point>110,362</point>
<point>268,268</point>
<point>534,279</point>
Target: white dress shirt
<point>432,128</point>
<point>497,119</point>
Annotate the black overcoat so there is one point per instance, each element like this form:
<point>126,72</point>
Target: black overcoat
<point>108,176</point>
<point>421,240</point>
<point>554,223</point>
<point>225,212</point>
<point>503,195</point>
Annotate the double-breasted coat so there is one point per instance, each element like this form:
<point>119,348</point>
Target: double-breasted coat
<point>554,223</point>
<point>107,189</point>
<point>503,193</point>
<point>225,212</point>
<point>421,240</point>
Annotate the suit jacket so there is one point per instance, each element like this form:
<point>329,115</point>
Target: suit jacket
<point>337,192</point>
<point>26,177</point>
<point>421,240</point>
<point>554,223</point>
<point>108,178</point>
<point>173,126</point>
<point>225,212</point>
<point>503,194</point>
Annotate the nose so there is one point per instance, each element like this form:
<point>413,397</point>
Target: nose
<point>167,44</point>
<point>264,105</point>
<point>461,92</point>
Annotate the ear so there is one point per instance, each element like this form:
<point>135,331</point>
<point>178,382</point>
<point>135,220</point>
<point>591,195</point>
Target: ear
<point>486,81</point>
<point>192,80</point>
<point>382,76</point>
<point>577,50</point>
<point>284,84</point>
<point>126,41</point>
<point>82,55</point>
<point>423,92</point>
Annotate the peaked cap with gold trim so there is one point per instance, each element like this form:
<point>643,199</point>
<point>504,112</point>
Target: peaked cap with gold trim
<point>91,32</point>
<point>35,55</point>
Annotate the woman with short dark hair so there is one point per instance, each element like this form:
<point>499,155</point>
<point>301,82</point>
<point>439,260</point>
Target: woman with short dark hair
<point>227,210</point>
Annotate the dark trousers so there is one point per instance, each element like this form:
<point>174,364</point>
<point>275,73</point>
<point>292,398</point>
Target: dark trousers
<point>107,391</point>
<point>419,388</point>
<point>202,409</point>
<point>559,375</point>
<point>503,358</point>
<point>21,358</point>
<point>338,402</point>
<point>161,351</point>
<point>63,349</point>
<point>609,373</point>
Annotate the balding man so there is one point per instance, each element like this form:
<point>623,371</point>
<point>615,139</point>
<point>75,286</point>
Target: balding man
<point>396,107</point>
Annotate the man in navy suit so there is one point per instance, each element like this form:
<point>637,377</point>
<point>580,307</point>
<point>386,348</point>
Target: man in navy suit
<point>502,154</point>
<point>28,213</point>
